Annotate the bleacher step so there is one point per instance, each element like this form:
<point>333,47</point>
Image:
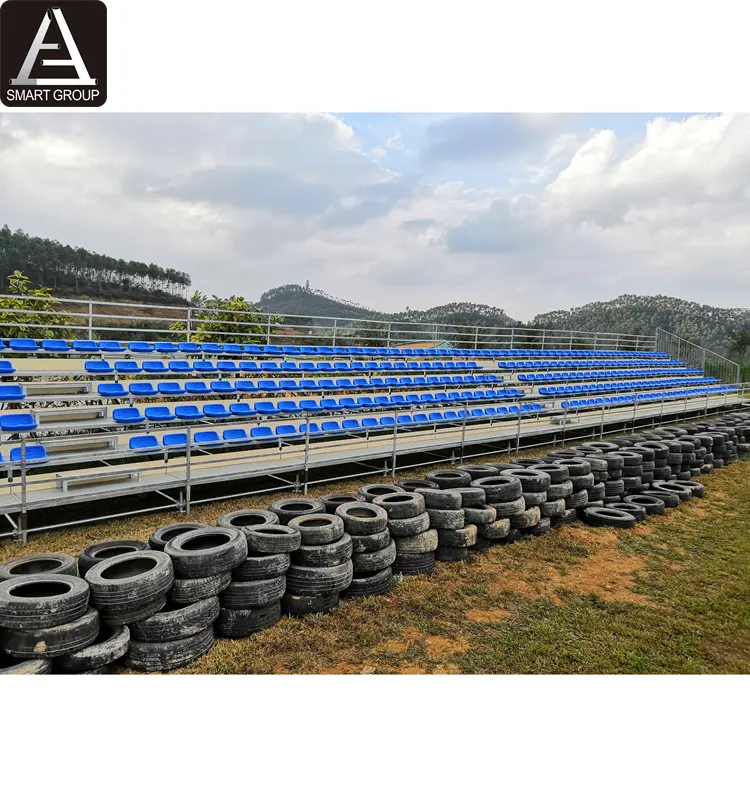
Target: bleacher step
<point>64,415</point>
<point>66,482</point>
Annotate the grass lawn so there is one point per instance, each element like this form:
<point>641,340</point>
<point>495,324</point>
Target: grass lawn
<point>671,596</point>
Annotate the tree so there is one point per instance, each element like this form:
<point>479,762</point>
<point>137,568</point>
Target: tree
<point>46,324</point>
<point>739,342</point>
<point>232,320</point>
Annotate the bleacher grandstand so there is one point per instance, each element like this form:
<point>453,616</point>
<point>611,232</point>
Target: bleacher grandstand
<point>92,429</point>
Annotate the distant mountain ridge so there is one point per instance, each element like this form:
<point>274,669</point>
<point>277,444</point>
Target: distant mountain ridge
<point>702,324</point>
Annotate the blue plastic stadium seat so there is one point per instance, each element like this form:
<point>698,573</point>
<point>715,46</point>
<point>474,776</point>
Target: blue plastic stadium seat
<point>55,345</point>
<point>216,411</point>
<point>227,366</point>
<point>140,347</point>
<point>241,409</point>
<point>112,390</point>
<point>326,384</point>
<point>310,406</point>
<point>205,367</point>
<point>33,454</point>
<point>180,367</point>
<point>252,349</point>
<point>289,385</point>
<point>246,386</point>
<point>85,346</point>
<point>262,433</point>
<point>142,389</point>
<point>266,408</point>
<point>155,367</point>
<point>98,367</point>
<point>208,437</point>
<point>286,430</point>
<point>165,347</point>
<point>23,345</point>
<point>189,348</point>
<point>233,349</point>
<point>222,387</point>
<point>147,442</point>
<point>170,389</point>
<point>234,435</point>
<point>197,387</point>
<point>127,367</point>
<point>128,415</point>
<point>289,408</point>
<point>272,349</point>
<point>188,412</point>
<point>174,440</point>
<point>330,427</point>
<point>159,413</point>
<point>11,393</point>
<point>212,348</point>
<point>331,405</point>
<point>314,429</point>
<point>269,366</point>
<point>268,386</point>
<point>111,347</point>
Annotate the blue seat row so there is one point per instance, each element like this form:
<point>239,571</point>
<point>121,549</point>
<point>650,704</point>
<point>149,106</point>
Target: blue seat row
<point>265,387</point>
<point>35,454</point>
<point>210,438</point>
<point>580,404</point>
<point>322,367</point>
<point>214,348</point>
<point>608,375</point>
<point>291,407</point>
<point>516,365</point>
<point>558,390</point>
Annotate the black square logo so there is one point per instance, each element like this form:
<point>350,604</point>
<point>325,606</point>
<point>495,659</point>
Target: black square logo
<point>53,53</point>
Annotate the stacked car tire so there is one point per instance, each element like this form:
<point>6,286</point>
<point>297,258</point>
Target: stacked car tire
<point>251,601</point>
<point>373,549</point>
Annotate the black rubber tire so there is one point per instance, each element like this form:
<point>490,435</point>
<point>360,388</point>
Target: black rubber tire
<point>175,621</point>
<point>510,507</point>
<point>332,502</point>
<point>414,484</point>
<point>472,496</point>
<point>560,491</point>
<point>166,533</point>
<point>670,500</point>
<point>600,516</point>
<point>630,458</point>
<point>616,487</point>
<point>697,490</point>
<point>332,554</point>
<point>35,602</point>
<point>552,508</point>
<point>412,564</point>
<point>363,519</point>
<point>514,534</point>
<point>48,563</point>
<point>499,488</point>
<point>577,466</point>
<point>401,505</point>
<point>483,544</point>
<point>569,516</point>
<point>452,554</point>
<point>577,499</point>
<point>261,566</point>
<point>673,487</point>
<point>130,582</point>
<point>478,471</point>
<point>441,499</point>
<point>122,617</point>
<point>316,529</point>
<point>531,480</point>
<point>494,531</point>
<point>419,544</point>
<point>371,491</point>
<point>446,520</point>
<point>271,539</point>
<point>479,515</point>
<point>315,581</point>
<point>11,666</point>
<point>596,492</point>
<point>53,641</point>
<point>614,462</point>
<point>411,526</point>
<point>662,473</point>
<point>372,562</point>
<point>243,595</point>
<point>602,445</point>
<point>632,472</point>
<point>377,583</point>
<point>95,553</point>
<point>187,591</point>
<point>639,512</point>
<point>298,606</point>
<point>241,623</point>
<point>449,479</point>
<point>544,526</point>
<point>582,482</point>
<point>371,543</point>
<point>529,518</point>
<point>248,517</point>
<point>463,538</point>
<point>203,553</point>
<point>166,656</point>
<point>534,498</point>
<point>557,471</point>
<point>293,507</point>
<point>110,645</point>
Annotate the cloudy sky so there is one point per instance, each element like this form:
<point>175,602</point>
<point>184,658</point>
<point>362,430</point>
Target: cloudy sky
<point>525,212</point>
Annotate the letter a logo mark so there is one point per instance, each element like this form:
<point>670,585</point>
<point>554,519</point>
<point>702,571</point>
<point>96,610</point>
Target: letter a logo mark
<point>76,61</point>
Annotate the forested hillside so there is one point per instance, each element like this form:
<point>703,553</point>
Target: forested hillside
<point>75,272</point>
<point>708,326</point>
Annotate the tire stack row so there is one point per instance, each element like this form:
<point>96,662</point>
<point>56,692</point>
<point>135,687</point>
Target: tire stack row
<point>478,508</point>
<point>251,601</point>
<point>373,549</point>
<point>456,534</point>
